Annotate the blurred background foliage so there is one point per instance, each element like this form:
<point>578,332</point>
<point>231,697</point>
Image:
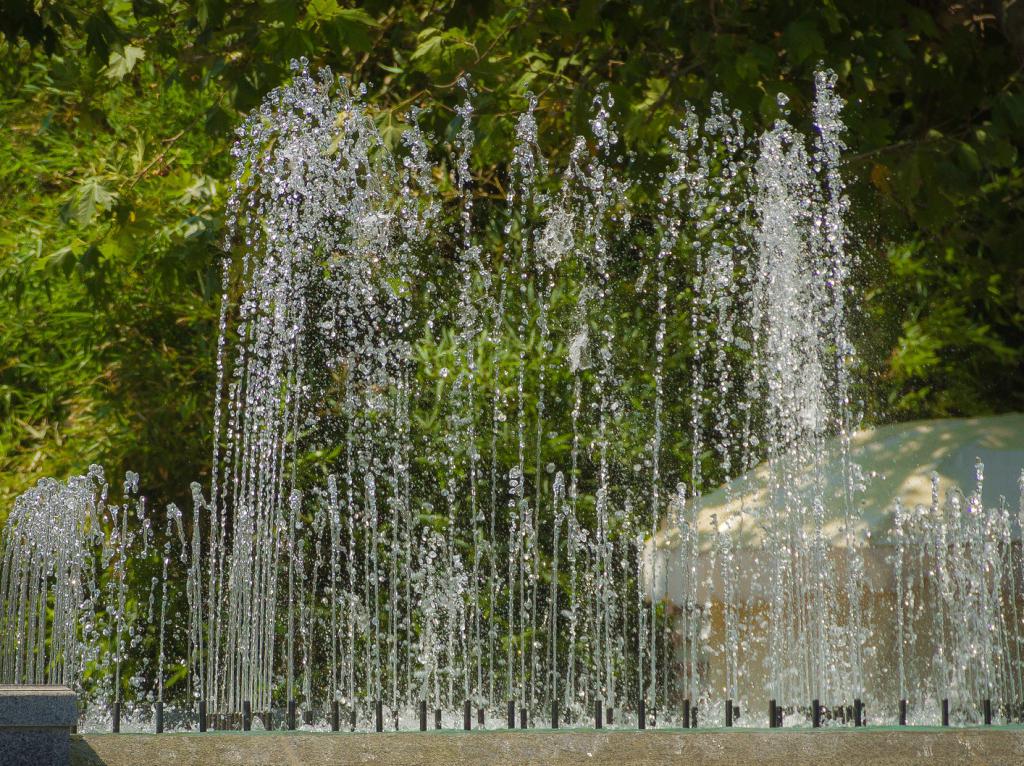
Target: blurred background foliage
<point>118,118</point>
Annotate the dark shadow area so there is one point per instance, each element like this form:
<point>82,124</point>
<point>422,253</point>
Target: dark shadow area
<point>82,753</point>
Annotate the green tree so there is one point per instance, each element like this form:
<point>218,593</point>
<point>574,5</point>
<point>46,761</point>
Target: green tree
<point>119,118</point>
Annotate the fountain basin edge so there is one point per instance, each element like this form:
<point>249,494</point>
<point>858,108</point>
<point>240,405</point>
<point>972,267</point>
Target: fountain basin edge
<point>881,745</point>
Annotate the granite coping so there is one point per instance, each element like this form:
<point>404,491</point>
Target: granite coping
<point>35,724</point>
<point>559,748</point>
<point>37,707</point>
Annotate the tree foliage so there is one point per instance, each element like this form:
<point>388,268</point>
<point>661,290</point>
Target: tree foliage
<point>119,116</point>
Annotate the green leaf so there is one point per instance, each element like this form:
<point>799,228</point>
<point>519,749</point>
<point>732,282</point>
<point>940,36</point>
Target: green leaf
<point>321,10</point>
<point>101,33</point>
<point>123,61</point>
<point>1011,106</point>
<point>587,15</point>
<point>429,42</point>
<point>350,28</point>
<point>209,13</point>
<point>328,10</point>
<point>748,67</point>
<point>90,196</point>
<point>441,53</point>
<point>653,92</point>
<point>969,157</point>
<point>218,121</point>
<point>294,42</point>
<point>803,41</point>
<point>357,16</point>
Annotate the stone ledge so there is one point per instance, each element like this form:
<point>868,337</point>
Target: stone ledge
<point>35,706</point>
<point>35,724</point>
<point>891,747</point>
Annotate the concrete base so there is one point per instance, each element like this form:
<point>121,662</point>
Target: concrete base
<point>35,724</point>
<point>891,747</point>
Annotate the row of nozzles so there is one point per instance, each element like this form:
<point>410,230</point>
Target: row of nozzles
<point>817,712</point>
<point>602,716</point>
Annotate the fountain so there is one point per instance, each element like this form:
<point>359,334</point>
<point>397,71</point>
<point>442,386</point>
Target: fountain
<point>441,491</point>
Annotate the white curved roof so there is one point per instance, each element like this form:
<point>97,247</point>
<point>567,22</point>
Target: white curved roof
<point>895,461</point>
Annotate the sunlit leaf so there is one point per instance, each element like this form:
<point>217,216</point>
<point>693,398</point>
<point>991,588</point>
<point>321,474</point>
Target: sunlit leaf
<point>123,61</point>
<point>88,199</point>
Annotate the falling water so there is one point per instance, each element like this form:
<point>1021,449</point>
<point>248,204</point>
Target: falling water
<point>439,475</point>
